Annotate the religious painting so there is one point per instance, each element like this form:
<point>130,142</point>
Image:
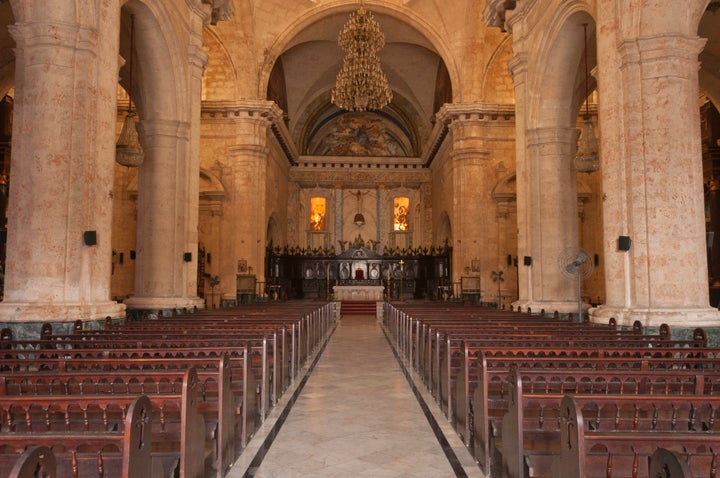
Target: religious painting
<point>317,213</point>
<point>401,206</point>
<point>360,134</point>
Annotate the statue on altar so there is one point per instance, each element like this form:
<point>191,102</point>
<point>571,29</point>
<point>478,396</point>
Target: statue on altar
<point>358,242</point>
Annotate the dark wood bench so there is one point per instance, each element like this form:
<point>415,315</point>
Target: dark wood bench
<point>254,352</point>
<point>530,435</point>
<point>34,462</point>
<point>231,377</point>
<point>593,453</point>
<point>491,396</point>
<point>112,453</point>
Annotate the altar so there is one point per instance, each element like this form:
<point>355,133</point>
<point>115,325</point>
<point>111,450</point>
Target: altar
<point>358,292</point>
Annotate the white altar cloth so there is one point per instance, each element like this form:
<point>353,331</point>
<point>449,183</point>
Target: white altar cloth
<point>358,292</point>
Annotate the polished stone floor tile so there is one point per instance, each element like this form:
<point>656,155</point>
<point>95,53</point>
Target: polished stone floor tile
<point>356,415</point>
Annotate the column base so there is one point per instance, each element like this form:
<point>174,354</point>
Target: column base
<point>550,306</point>
<point>682,318</point>
<point>53,312</point>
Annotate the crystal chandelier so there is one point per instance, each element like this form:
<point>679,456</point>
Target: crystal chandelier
<point>361,84</point>
<point>128,151</point>
<point>587,159</point>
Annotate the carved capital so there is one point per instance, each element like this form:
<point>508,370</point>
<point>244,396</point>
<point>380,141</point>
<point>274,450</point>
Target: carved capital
<point>495,11</point>
<point>264,115</point>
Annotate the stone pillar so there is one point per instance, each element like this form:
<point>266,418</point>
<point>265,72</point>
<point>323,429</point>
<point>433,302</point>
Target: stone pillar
<point>549,206</point>
<point>652,180</point>
<point>62,164</point>
<point>338,198</point>
<point>474,179</point>
<point>245,217</point>
<point>519,69</point>
<point>165,261</point>
<point>197,62</point>
<point>383,228</point>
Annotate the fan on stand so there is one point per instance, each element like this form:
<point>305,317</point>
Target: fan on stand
<point>574,262</point>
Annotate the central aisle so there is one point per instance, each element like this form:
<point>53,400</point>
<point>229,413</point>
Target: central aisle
<point>356,415</point>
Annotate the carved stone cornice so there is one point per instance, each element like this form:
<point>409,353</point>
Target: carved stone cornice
<point>213,11</point>
<point>452,112</point>
<point>221,10</point>
<point>494,12</point>
<point>362,179</point>
<point>259,110</point>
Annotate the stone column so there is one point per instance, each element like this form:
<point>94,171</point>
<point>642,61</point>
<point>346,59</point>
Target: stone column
<point>652,179</point>
<point>62,165</point>
<point>473,178</point>
<point>245,218</point>
<point>519,69</point>
<point>165,262</point>
<point>550,186</point>
<point>338,199</point>
<point>197,61</point>
<point>383,228</point>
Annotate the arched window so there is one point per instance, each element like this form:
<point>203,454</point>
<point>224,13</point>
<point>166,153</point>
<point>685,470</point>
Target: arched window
<point>317,213</point>
<point>401,210</point>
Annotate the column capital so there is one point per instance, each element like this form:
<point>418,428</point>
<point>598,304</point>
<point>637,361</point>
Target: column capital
<point>663,55</point>
<point>72,37</point>
<point>518,66</point>
<point>201,8</point>
<point>257,113</point>
<point>495,12</point>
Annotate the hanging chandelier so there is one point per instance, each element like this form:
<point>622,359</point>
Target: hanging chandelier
<point>128,151</point>
<point>361,84</point>
<point>587,159</point>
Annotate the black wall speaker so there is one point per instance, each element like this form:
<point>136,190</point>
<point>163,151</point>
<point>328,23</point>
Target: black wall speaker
<point>121,257</point>
<point>624,243</point>
<point>90,238</point>
<point>187,256</point>
<point>527,260</point>
<point>509,259</point>
<point>132,255</point>
<point>208,257</point>
<point>596,259</point>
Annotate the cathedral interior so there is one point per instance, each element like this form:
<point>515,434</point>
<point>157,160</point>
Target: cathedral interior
<point>250,183</point>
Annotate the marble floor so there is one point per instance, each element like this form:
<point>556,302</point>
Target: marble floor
<point>356,412</point>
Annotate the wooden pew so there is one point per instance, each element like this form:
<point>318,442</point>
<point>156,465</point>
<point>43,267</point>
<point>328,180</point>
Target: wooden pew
<point>35,462</point>
<point>132,445</point>
<point>254,352</point>
<point>493,391</point>
<point>591,453</point>
<point>531,426</point>
<point>236,390</point>
<point>178,434</point>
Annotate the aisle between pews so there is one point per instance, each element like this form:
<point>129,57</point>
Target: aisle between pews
<point>356,414</point>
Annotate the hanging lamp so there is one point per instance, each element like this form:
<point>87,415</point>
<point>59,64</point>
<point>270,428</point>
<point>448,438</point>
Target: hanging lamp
<point>128,151</point>
<point>587,159</point>
<point>361,84</point>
